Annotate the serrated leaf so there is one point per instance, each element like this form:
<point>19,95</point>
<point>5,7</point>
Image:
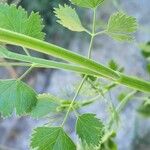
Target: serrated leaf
<point>16,95</point>
<point>121,27</point>
<point>90,129</point>
<point>68,18</point>
<point>87,3</point>
<point>51,138</point>
<point>17,20</point>
<point>46,104</point>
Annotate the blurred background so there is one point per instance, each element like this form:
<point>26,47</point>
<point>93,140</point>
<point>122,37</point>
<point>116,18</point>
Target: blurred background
<point>134,131</point>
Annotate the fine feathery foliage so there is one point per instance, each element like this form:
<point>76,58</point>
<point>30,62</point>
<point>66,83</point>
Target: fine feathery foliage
<point>87,3</point>
<point>121,27</point>
<point>90,129</point>
<point>16,95</point>
<point>46,104</point>
<point>17,20</point>
<point>51,138</point>
<point>68,18</point>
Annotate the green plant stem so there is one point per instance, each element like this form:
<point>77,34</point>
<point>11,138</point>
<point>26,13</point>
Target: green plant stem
<point>101,32</point>
<point>85,77</point>
<point>26,51</point>
<point>15,64</point>
<point>10,37</point>
<point>123,103</point>
<point>90,47</point>
<point>27,72</point>
<point>71,105</point>
<point>47,48</point>
<point>42,63</point>
<point>104,91</point>
<point>121,106</point>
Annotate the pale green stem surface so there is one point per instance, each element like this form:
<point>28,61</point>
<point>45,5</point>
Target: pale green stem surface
<point>10,37</point>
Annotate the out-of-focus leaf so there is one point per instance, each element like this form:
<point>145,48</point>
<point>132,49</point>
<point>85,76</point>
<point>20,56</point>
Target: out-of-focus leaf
<point>87,3</point>
<point>46,104</point>
<point>51,138</point>
<point>121,27</point>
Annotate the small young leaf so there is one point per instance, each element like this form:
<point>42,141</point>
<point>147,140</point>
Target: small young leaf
<point>113,65</point>
<point>87,3</point>
<point>121,27</point>
<point>51,138</point>
<point>46,103</point>
<point>144,108</point>
<point>68,18</point>
<point>90,129</point>
<point>17,20</point>
<point>14,94</point>
<point>145,48</point>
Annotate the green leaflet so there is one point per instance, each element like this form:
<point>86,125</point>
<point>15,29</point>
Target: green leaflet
<point>68,18</point>
<point>46,104</point>
<point>90,129</point>
<point>121,26</point>
<point>16,95</point>
<point>87,3</point>
<point>51,138</point>
<point>17,20</point>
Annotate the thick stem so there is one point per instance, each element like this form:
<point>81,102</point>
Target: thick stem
<point>42,63</point>
<point>44,47</point>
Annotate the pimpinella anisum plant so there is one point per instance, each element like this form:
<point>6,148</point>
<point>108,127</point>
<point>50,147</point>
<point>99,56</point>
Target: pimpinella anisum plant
<point>19,28</point>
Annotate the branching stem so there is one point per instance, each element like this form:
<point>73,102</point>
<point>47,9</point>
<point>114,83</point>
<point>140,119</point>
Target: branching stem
<point>27,72</point>
<point>85,77</point>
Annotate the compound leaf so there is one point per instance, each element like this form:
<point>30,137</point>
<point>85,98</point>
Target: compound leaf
<point>87,3</point>
<point>121,27</point>
<point>16,95</point>
<point>46,103</point>
<point>68,18</point>
<point>90,129</point>
<point>17,20</point>
<point>51,138</point>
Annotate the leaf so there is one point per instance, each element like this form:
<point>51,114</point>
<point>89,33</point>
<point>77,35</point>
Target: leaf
<point>108,141</point>
<point>144,108</point>
<point>87,3</point>
<point>90,129</point>
<point>51,138</point>
<point>17,20</point>
<point>113,65</point>
<point>46,104</point>
<point>145,48</point>
<point>121,27</point>
<point>16,95</point>
<point>68,18</point>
